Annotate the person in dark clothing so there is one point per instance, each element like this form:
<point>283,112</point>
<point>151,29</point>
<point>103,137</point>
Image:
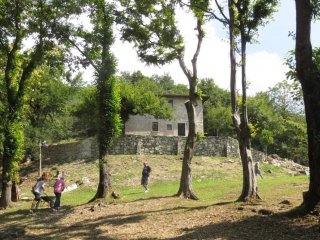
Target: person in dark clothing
<point>257,170</point>
<point>145,176</point>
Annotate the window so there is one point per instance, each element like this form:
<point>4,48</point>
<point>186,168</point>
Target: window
<point>155,127</point>
<point>170,101</point>
<point>169,127</point>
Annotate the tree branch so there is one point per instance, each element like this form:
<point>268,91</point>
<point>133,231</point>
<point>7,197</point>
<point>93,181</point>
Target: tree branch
<point>83,53</point>
<point>196,54</point>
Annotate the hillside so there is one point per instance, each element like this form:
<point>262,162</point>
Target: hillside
<point>157,214</point>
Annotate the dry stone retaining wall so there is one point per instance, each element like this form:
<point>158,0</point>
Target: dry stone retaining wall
<point>134,144</point>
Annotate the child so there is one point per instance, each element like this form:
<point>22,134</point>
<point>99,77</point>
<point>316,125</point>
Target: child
<point>58,189</point>
<point>145,176</point>
<point>37,189</point>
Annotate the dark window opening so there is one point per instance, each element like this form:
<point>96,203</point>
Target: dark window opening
<point>155,127</point>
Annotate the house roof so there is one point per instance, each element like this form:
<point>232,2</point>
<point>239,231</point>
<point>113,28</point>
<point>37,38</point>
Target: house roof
<point>204,98</point>
<point>176,95</point>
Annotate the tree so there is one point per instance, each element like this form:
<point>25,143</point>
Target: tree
<point>245,17</point>
<point>109,122</point>
<point>19,21</point>
<point>216,109</point>
<point>284,96</point>
<point>144,96</point>
<point>308,74</point>
<point>94,45</point>
<point>139,95</point>
<point>158,41</point>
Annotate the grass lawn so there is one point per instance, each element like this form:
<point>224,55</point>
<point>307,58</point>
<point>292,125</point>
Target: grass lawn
<point>158,214</point>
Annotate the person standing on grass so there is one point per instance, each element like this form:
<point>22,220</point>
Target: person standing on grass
<point>58,189</point>
<point>37,189</point>
<point>257,170</point>
<point>145,176</point>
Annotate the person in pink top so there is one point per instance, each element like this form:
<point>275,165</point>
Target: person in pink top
<point>58,189</point>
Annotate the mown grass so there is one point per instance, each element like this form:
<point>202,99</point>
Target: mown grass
<point>214,180</point>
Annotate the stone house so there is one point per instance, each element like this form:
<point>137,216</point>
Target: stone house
<point>178,126</point>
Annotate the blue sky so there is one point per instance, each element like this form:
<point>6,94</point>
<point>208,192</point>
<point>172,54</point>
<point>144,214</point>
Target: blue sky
<point>274,36</point>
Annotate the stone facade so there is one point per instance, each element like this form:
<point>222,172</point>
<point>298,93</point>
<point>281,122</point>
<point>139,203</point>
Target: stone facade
<point>135,144</point>
<point>149,126</point>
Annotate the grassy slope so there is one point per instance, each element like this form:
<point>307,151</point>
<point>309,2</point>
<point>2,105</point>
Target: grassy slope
<point>217,181</point>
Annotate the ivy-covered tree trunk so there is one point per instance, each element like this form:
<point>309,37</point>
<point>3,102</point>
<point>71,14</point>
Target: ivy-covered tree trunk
<point>109,121</point>
<point>109,128</point>
<point>309,77</point>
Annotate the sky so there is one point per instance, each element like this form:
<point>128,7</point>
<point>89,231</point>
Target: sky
<point>265,59</point>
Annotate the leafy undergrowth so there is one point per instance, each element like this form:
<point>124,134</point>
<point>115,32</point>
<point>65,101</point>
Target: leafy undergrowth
<point>158,214</point>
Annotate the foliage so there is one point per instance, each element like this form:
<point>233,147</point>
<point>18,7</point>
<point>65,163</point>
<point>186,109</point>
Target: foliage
<point>14,142</point>
<point>217,120</point>
<point>216,109</point>
<point>168,85</point>
<point>286,98</point>
<point>283,132</point>
<point>109,107</point>
<point>85,111</point>
<point>143,96</point>
<point>20,21</point>
<point>139,95</point>
<point>153,24</point>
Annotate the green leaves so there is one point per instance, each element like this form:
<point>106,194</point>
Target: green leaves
<point>150,25</point>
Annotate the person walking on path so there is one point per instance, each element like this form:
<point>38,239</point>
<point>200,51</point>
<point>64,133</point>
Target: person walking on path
<point>58,189</point>
<point>37,189</point>
<point>145,176</point>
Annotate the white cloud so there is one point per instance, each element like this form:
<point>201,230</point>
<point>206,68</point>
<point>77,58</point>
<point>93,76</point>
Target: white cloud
<point>264,69</point>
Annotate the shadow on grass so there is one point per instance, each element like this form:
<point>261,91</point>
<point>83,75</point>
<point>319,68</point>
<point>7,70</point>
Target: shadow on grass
<point>153,198</point>
<point>44,223</point>
<point>274,227</point>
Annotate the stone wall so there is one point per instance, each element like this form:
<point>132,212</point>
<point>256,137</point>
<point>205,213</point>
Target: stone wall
<point>134,144</point>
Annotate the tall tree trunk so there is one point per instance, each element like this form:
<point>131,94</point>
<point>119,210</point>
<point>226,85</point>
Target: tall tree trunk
<point>310,82</point>
<point>185,189</point>
<point>249,188</point>
<point>240,121</point>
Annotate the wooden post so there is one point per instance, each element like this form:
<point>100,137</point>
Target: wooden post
<point>40,158</point>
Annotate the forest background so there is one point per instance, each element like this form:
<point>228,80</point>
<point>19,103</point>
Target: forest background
<point>60,108</point>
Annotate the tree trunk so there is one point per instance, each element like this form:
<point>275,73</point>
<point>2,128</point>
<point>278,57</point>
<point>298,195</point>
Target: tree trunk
<point>104,179</point>
<point>249,183</point>
<point>240,121</point>
<point>185,189</point>
<point>310,83</point>
<point>5,194</point>
<point>15,193</point>
<point>6,173</point>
